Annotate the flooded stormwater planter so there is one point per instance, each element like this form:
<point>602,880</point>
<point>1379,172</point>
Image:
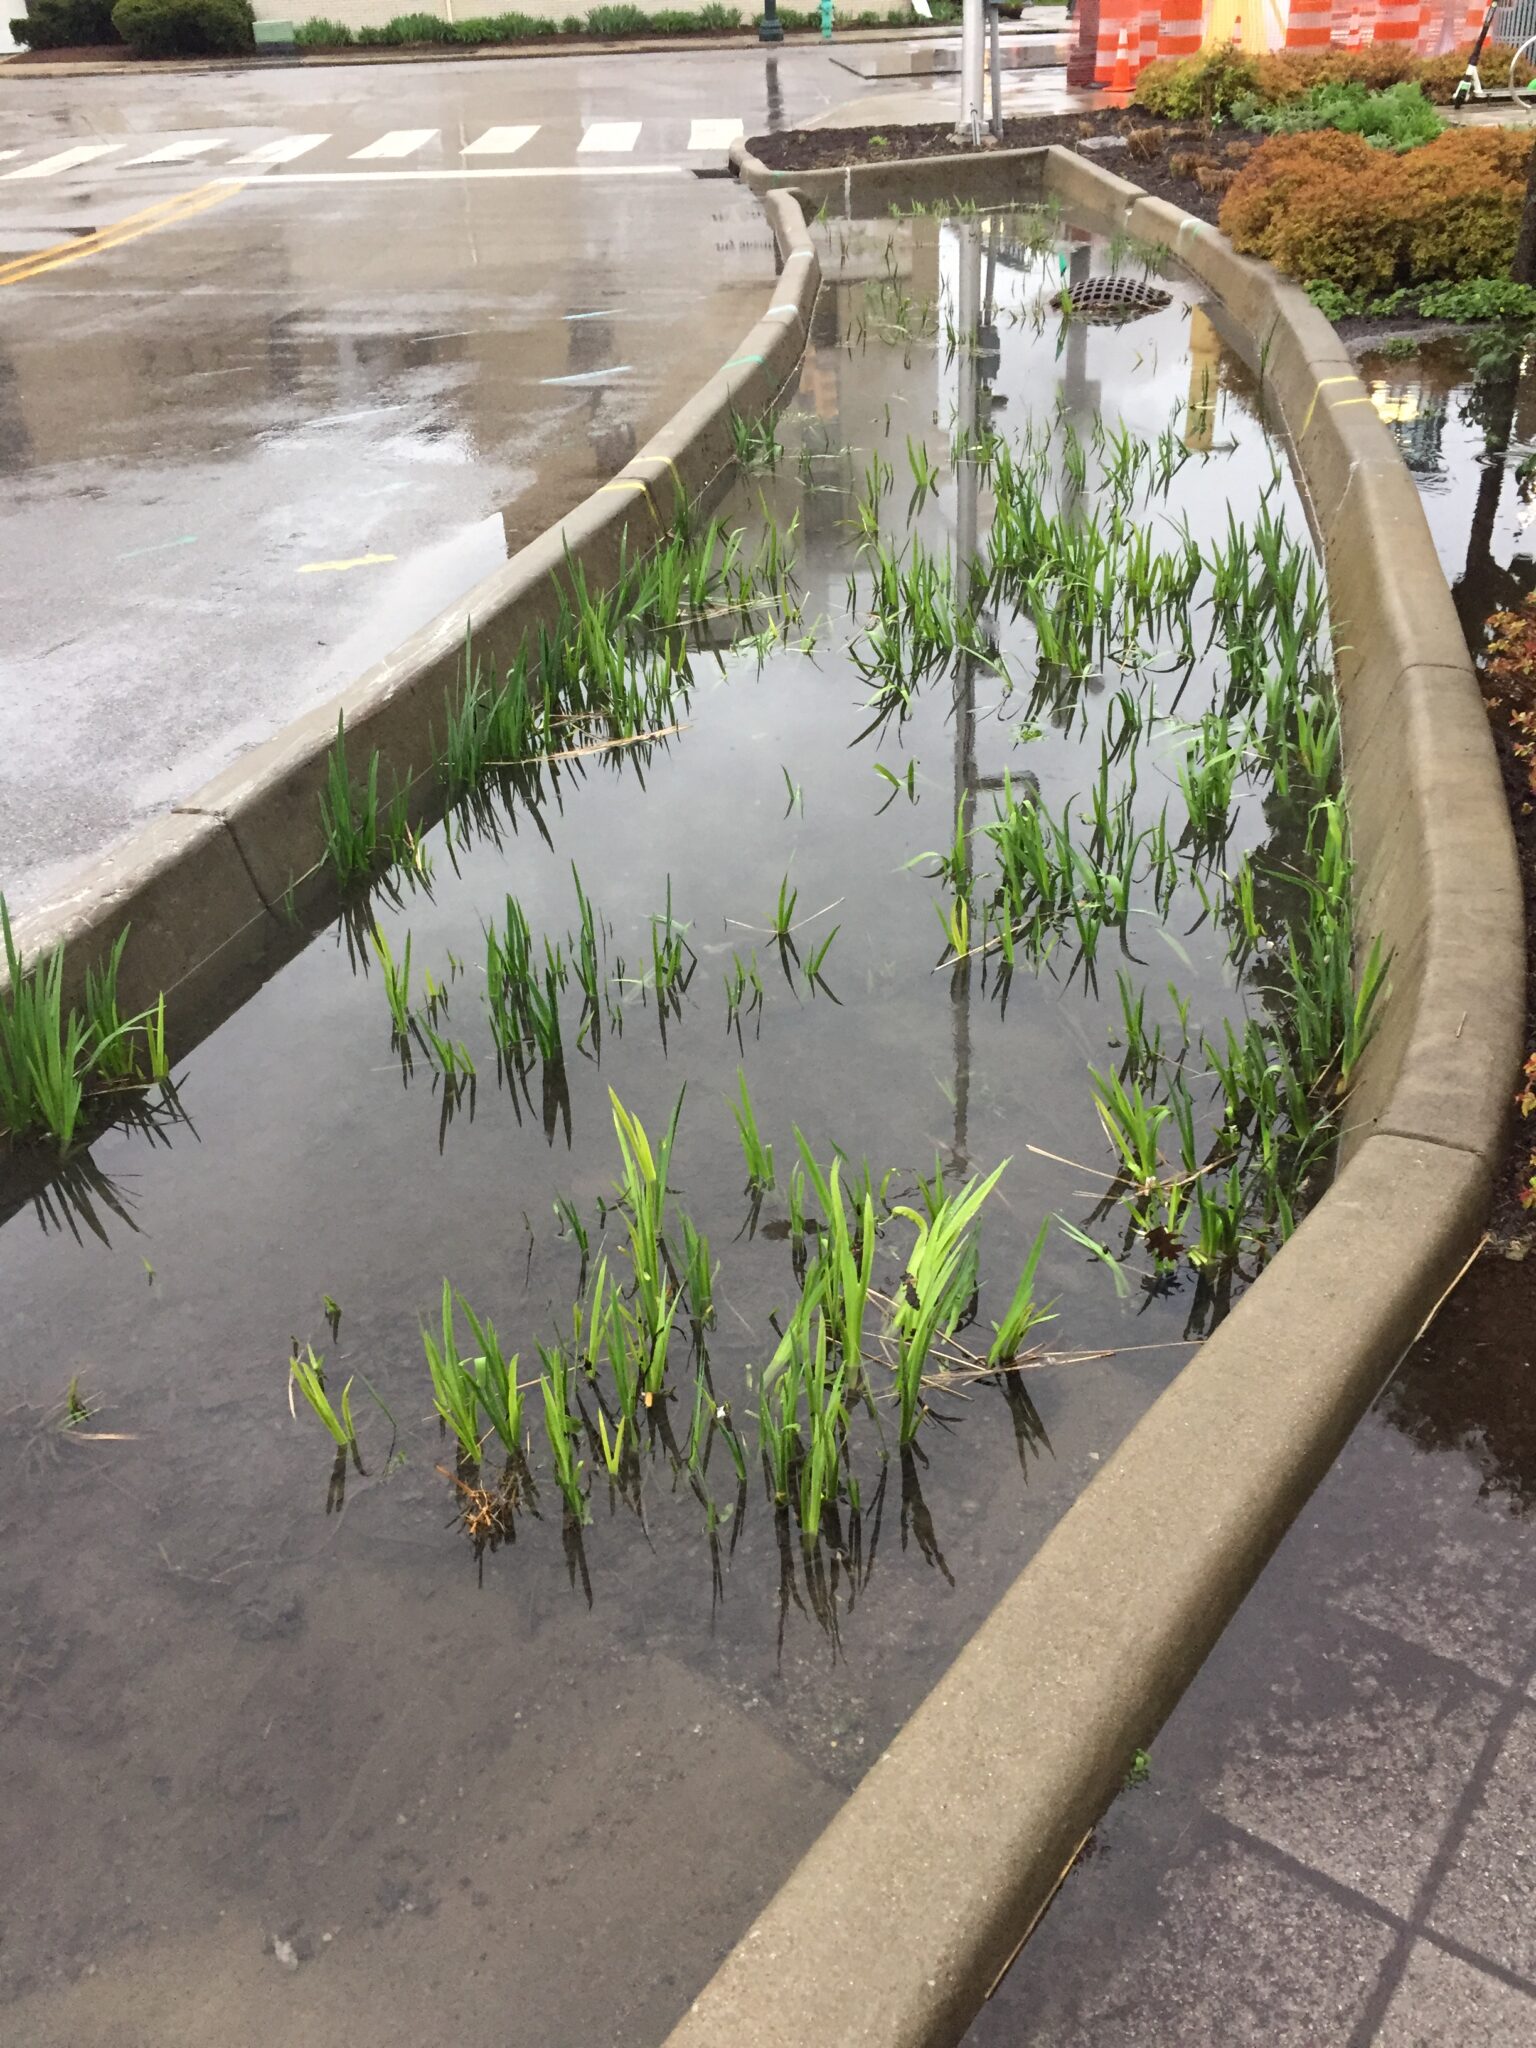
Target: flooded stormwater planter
<point>355,1737</point>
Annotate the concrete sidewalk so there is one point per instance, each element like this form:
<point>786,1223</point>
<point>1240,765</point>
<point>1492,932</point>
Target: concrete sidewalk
<point>1336,1843</point>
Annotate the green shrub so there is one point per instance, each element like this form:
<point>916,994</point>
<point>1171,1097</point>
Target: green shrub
<point>1398,118</point>
<point>1477,298</point>
<point>617,20</point>
<point>65,24</point>
<point>184,28</point>
<point>419,28</point>
<point>1202,88</point>
<point>714,15</point>
<point>321,34</point>
<point>1480,298</point>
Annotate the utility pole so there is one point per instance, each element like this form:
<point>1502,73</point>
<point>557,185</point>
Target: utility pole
<point>972,106</point>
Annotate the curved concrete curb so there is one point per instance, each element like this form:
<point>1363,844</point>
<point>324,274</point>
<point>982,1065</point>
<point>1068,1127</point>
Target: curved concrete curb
<point>205,889</point>
<point>907,1908</point>
<point>1001,176</point>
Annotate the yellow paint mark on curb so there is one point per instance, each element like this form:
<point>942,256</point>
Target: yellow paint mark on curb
<point>1347,378</point>
<point>357,562</point>
<point>162,215</point>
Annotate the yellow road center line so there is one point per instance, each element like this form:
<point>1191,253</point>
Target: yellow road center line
<point>357,562</point>
<point>165,214</point>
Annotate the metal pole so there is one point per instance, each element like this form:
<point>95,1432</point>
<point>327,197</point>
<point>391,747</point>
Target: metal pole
<point>770,29</point>
<point>971,106</point>
<point>997,68</point>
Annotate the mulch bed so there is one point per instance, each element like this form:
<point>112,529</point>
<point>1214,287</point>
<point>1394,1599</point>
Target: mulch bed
<point>1165,158</point>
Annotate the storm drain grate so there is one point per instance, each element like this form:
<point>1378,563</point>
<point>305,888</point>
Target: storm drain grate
<point>1110,298</point>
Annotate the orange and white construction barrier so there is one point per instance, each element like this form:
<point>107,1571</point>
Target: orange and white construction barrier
<point>1183,25</point>
<point>1310,26</point>
<point>1114,16</point>
<point>1397,21</point>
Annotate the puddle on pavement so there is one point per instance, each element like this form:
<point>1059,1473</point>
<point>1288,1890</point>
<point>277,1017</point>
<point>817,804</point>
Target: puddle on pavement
<point>327,1772</point>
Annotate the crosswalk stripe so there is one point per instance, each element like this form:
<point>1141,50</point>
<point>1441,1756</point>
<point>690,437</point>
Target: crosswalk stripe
<point>615,135</point>
<point>499,141</point>
<point>714,134</point>
<point>66,160</point>
<point>398,142</point>
<point>284,150</point>
<point>175,152</point>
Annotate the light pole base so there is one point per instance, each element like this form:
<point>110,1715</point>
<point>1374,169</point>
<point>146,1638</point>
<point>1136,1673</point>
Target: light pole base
<point>770,31</point>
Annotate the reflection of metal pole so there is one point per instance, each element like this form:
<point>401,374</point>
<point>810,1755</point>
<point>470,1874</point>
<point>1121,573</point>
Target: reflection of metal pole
<point>967,497</point>
<point>1204,355</point>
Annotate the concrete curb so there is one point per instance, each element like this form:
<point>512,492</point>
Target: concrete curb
<point>207,890</point>
<point>1002,175</point>
<point>904,1912</point>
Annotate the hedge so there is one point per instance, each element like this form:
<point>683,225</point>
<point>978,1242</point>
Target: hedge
<point>184,28</point>
<point>1329,208</point>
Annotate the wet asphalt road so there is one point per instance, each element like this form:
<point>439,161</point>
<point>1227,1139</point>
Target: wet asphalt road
<point>406,363</point>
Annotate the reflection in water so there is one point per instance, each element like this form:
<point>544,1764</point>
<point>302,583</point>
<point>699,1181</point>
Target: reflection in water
<point>1470,1385</point>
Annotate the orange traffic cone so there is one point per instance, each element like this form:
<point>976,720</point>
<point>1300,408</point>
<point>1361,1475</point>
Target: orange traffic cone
<point>1237,32</point>
<point>1121,82</point>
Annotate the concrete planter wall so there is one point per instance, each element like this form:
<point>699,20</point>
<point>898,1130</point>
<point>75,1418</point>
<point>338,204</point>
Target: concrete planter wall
<point>904,1912</point>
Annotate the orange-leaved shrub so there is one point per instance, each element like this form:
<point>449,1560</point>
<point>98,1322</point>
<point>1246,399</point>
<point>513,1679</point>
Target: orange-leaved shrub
<point>1220,79</point>
<point>1327,206</point>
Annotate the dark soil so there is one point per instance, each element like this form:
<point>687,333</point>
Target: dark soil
<point>1163,157</point>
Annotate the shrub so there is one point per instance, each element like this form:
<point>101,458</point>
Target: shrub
<point>184,28</point>
<point>419,28</point>
<point>617,20</point>
<point>1480,298</point>
<point>1464,197</point>
<point>1200,88</point>
<point>64,24</point>
<point>1221,84</point>
<point>1327,207</point>
<point>713,15</point>
<point>321,34</point>
<point>1398,118</point>
<point>1296,175</point>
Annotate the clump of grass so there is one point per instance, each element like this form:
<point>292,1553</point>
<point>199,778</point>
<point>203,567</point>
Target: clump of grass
<point>759,1156</point>
<point>1023,1313</point>
<point>52,1056</point>
<point>349,814</point>
<point>756,442</point>
<point>936,1288</point>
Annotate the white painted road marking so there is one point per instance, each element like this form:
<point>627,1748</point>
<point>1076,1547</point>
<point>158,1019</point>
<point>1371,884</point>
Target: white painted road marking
<point>714,134</point>
<point>398,142</point>
<point>500,141</point>
<point>66,160</point>
<point>615,135</point>
<point>284,150</point>
<point>175,152</point>
<point>591,376</point>
<point>501,171</point>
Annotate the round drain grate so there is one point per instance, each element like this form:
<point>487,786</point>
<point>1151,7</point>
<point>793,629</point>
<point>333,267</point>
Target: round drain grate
<point>1110,298</point>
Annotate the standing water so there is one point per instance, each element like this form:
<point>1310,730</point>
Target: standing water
<point>957,854</point>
